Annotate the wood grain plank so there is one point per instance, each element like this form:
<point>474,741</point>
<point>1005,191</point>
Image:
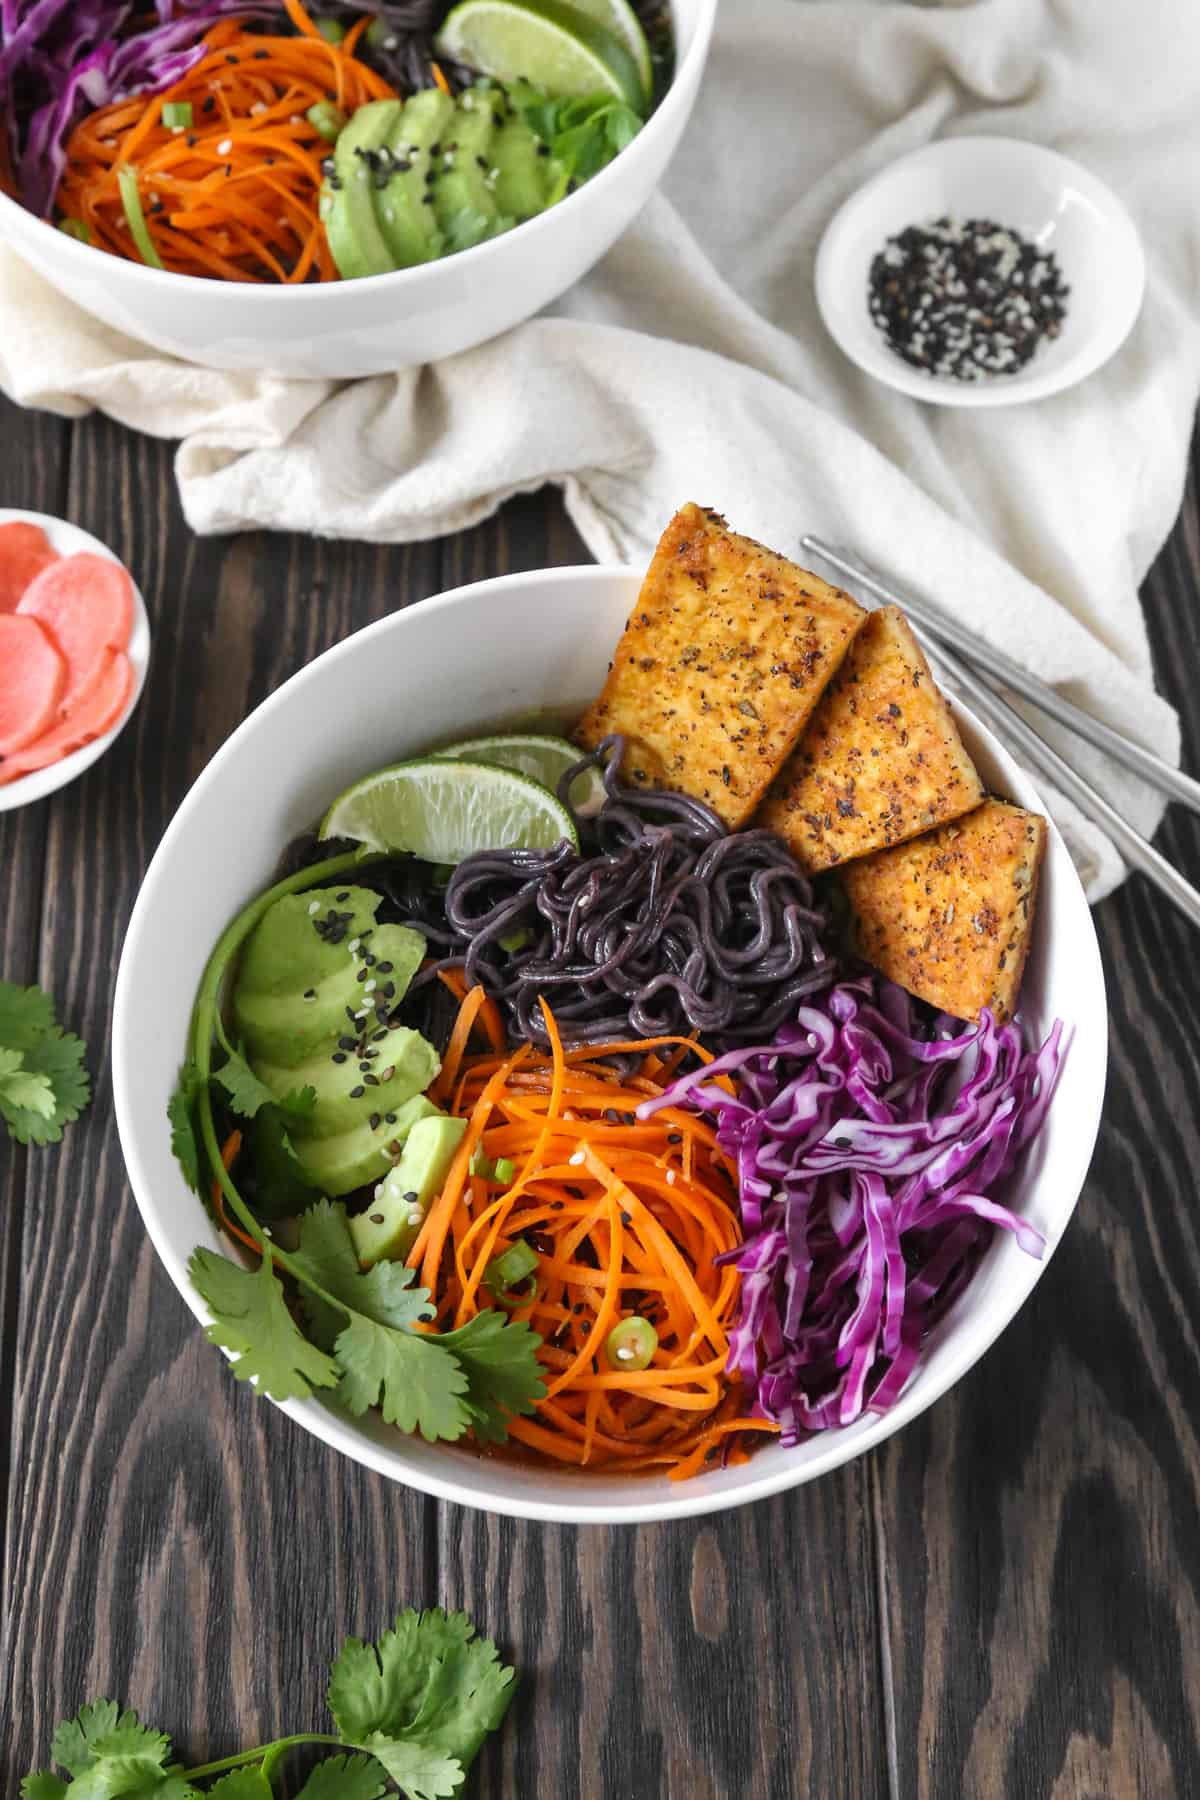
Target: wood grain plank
<point>33,475</point>
<point>172,1540</point>
<point>1042,1567</point>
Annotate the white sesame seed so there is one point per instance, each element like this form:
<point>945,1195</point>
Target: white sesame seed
<point>369,987</point>
<point>314,908</point>
<point>625,1353</point>
<point>225,146</point>
<point>416,1216</point>
<point>379,1190</point>
<point>577,1158</point>
<point>355,945</point>
<point>670,1178</point>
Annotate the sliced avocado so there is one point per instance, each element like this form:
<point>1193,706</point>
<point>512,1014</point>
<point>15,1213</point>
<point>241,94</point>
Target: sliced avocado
<point>295,981</point>
<point>348,196</point>
<point>463,183</point>
<point>405,206</point>
<point>388,1229</point>
<point>400,1065</point>
<point>524,175</point>
<point>338,1165</point>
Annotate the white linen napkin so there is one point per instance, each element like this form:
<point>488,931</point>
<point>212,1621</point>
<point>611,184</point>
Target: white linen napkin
<point>692,364</point>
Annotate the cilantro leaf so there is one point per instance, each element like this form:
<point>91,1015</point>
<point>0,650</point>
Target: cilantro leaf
<point>343,1778</point>
<point>384,1294</point>
<point>247,1094</point>
<point>48,1086</point>
<point>110,1753</point>
<point>25,1013</point>
<point>278,1185</point>
<point>430,1685</point>
<point>244,1784</point>
<point>181,1111</point>
<point>499,1357</point>
<point>74,1743</point>
<point>20,1089</point>
<point>41,1785</point>
<point>251,1318</point>
<point>416,1384</point>
<point>419,1772</point>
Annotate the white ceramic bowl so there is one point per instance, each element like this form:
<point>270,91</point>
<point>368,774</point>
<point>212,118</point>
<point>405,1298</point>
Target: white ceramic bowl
<point>348,328</point>
<point>1049,199</point>
<point>451,667</point>
<point>69,540</point>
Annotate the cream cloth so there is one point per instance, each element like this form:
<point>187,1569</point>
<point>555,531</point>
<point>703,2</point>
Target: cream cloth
<point>691,364</point>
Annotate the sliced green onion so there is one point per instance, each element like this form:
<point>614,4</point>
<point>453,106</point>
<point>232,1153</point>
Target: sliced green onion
<point>177,115</point>
<point>131,200</point>
<point>631,1344</point>
<point>505,1273</point>
<point>77,229</point>
<point>503,1171</point>
<point>481,1164</point>
<point>327,119</point>
<point>515,940</point>
<point>332,30</point>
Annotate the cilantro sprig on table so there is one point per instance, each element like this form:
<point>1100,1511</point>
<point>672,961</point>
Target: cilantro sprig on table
<point>367,1338</point>
<point>43,1083</point>
<point>411,1713</point>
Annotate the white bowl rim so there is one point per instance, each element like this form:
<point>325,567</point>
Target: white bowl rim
<point>41,783</point>
<point>842,1445</point>
<point>308,293</point>
<point>1028,384</point>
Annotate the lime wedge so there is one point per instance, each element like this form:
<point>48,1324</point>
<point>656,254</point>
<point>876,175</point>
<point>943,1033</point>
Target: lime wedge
<point>620,21</point>
<point>443,811</point>
<point>554,46</point>
<point>543,759</point>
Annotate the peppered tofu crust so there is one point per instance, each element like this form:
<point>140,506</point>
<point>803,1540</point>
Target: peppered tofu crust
<point>720,665</point>
<point>880,760</point>
<point>949,915</point>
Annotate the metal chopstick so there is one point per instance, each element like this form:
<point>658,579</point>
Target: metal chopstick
<point>1002,717</point>
<point>1143,762</point>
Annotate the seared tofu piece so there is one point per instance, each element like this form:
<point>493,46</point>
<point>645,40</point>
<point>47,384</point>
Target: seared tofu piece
<point>881,759</point>
<point>949,915</point>
<point>720,665</point>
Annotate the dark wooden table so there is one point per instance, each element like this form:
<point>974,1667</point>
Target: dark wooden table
<point>1002,1601</point>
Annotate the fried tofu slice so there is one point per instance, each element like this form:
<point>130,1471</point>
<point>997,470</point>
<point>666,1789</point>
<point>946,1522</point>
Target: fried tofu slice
<point>720,665</point>
<point>949,915</point>
<point>881,759</point>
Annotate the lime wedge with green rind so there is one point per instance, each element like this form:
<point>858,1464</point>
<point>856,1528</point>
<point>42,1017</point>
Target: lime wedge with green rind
<point>543,759</point>
<point>443,811</point>
<point>554,46</point>
<point>619,19</point>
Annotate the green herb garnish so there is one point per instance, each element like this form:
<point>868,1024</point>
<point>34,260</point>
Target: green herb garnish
<point>584,133</point>
<point>177,115</point>
<point>363,1343</point>
<point>43,1082</point>
<point>412,1710</point>
<point>131,201</point>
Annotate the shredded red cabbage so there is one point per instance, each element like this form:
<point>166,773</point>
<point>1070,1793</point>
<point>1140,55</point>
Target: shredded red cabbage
<point>868,1136</point>
<point>60,59</point>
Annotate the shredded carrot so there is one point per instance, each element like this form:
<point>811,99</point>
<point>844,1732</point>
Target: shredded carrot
<point>489,1012</point>
<point>236,194</point>
<point>230,1151</point>
<point>439,78</point>
<point>627,1218</point>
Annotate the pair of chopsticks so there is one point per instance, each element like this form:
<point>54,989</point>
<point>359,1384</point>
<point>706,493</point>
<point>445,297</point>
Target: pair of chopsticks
<point>979,670</point>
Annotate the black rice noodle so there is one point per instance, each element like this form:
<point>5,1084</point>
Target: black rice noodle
<point>663,923</point>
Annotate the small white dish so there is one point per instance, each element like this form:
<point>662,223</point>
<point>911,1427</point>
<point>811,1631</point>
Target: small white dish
<point>519,646</point>
<point>69,540</point>
<point>1050,200</point>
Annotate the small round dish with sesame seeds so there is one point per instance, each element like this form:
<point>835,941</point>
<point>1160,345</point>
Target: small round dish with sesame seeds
<point>980,272</point>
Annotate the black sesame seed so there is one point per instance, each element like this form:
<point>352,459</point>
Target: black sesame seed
<point>341,898</point>
<point>373,1121</point>
<point>389,990</point>
<point>352,1016</point>
<point>612,1115</point>
<point>627,1218</point>
<point>390,1117</point>
<point>376,1218</point>
<point>339,1056</point>
<point>310,993</point>
<point>394,1147</point>
<point>347,1043</point>
<point>385,968</point>
<point>674,1137</point>
<point>412,1197</point>
<point>210,105</point>
<point>356,1093</point>
<point>377,1035</point>
<point>371,1080</point>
